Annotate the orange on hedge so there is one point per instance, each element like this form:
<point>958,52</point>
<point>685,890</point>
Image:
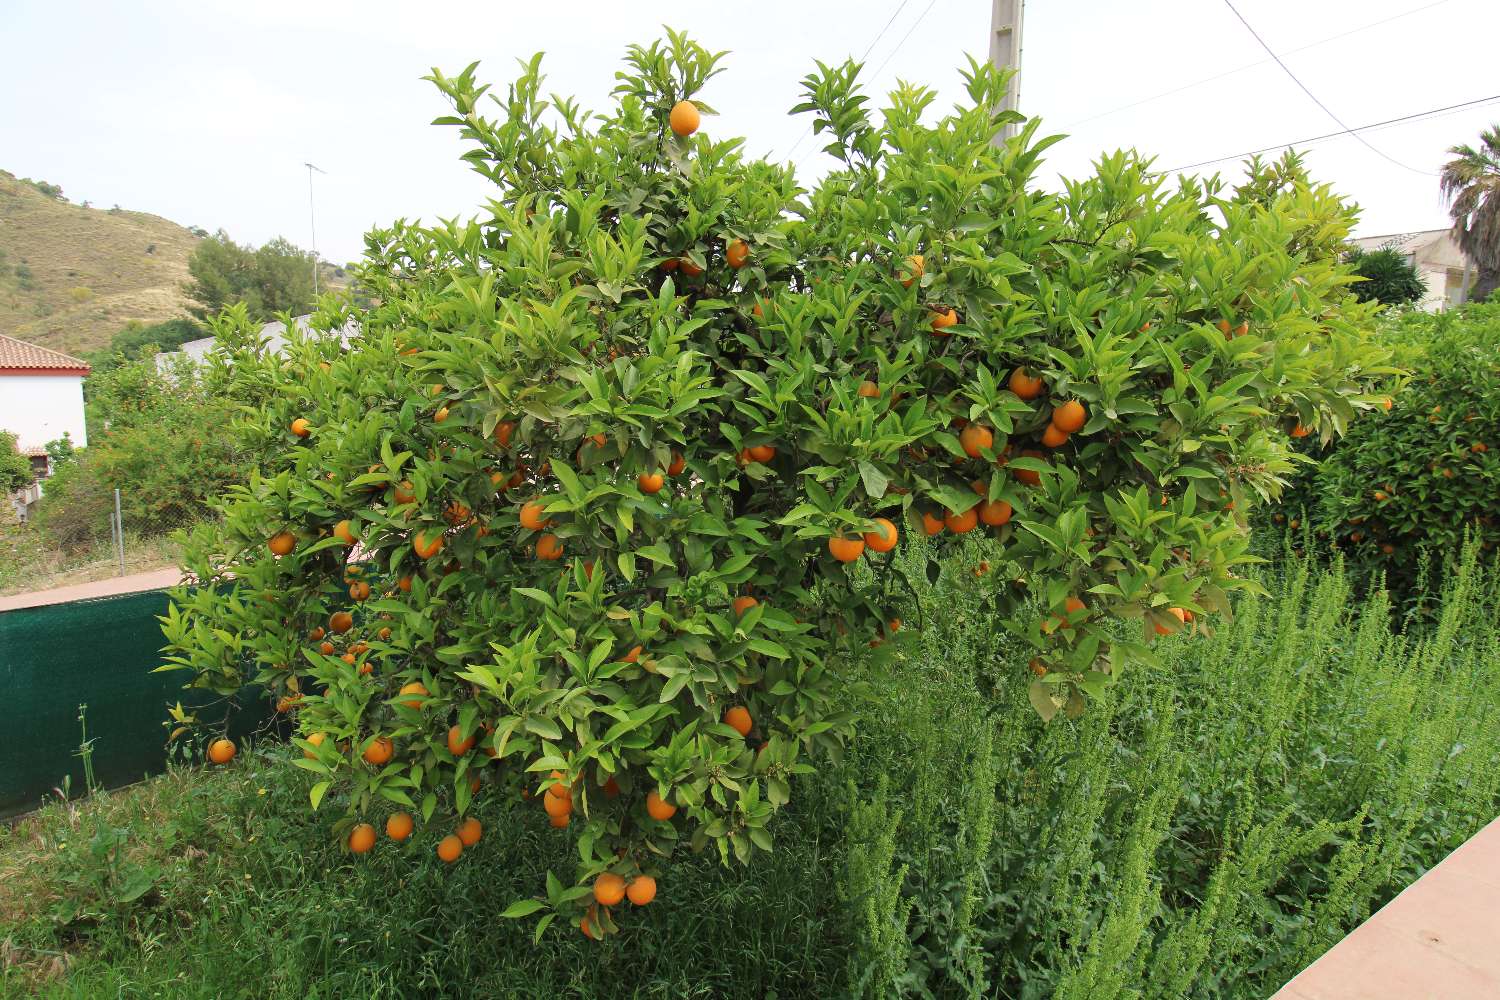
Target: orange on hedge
<point>348,658</point>
<point>560,821</point>
<point>883,537</point>
<point>678,464</point>
<point>399,826</point>
<point>869,390</point>
<point>941,321</point>
<point>994,512</point>
<point>762,453</point>
<point>690,269</point>
<point>737,253</point>
<point>533,515</point>
<point>1025,385</point>
<point>1299,431</point>
<point>301,427</point>
<point>1029,476</point>
<point>503,431</point>
<point>916,266</point>
<point>931,523</point>
<point>440,415</point>
<point>449,848</point>
<point>340,621</point>
<point>458,745</point>
<point>557,805</point>
<point>404,584</point>
<point>427,547</point>
<point>976,438</point>
<point>344,532</point>
<point>633,656</point>
<point>684,118</point>
<point>1054,436</point>
<point>846,550</point>
<point>963,523</point>
<point>415,688</point>
<point>659,808</point>
<point>650,482</point>
<point>361,838</point>
<point>1178,613</point>
<point>641,890</point>
<point>221,751</point>
<point>469,831</point>
<point>316,739</point>
<point>549,547</point>
<point>743,604</point>
<point>738,719</point>
<point>1070,417</point>
<point>282,543</point>
<point>326,648</point>
<point>379,751</point>
<point>609,888</point>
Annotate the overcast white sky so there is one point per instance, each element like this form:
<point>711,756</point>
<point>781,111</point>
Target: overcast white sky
<point>204,111</point>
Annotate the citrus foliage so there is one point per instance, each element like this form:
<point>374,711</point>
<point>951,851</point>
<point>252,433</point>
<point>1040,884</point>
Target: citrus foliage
<point>575,519</point>
<point>1409,482</point>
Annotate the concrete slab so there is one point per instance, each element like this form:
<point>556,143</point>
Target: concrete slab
<point>1435,941</point>
<point>133,584</point>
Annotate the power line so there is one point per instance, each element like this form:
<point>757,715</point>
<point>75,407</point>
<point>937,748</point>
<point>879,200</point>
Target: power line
<point>868,49</point>
<point>1326,109</point>
<point>1431,113</point>
<point>1261,62</point>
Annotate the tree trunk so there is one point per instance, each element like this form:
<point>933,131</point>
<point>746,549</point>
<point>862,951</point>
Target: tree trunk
<point>1487,280</point>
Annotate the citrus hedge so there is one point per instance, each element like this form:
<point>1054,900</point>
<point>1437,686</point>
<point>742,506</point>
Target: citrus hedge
<point>574,520</point>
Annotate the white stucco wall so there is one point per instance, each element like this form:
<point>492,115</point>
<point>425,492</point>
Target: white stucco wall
<point>39,408</point>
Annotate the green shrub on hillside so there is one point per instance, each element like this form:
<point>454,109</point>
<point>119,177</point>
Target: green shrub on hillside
<point>1405,485</point>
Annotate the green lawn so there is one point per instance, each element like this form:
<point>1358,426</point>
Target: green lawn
<point>1204,832</point>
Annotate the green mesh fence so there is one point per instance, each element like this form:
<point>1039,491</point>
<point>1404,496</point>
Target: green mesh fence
<point>97,653</point>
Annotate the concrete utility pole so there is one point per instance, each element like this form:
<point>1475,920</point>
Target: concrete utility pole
<point>1005,52</point>
<point>312,218</point>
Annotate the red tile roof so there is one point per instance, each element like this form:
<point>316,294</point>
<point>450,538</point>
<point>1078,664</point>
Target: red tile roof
<point>17,355</point>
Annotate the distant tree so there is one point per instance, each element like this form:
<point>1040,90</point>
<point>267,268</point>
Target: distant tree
<point>275,278</point>
<point>15,468</point>
<point>1471,183</point>
<point>1389,277</point>
<point>50,190</point>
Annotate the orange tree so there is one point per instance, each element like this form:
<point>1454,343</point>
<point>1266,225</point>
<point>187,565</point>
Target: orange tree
<point>575,520</point>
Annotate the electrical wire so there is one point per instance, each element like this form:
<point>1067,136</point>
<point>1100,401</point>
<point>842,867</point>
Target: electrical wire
<point>1219,76</point>
<point>1326,109</point>
<point>868,49</point>
<point>1431,113</point>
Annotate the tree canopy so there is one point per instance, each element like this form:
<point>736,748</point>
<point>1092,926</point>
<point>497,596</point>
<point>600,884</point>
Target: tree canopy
<point>275,278</point>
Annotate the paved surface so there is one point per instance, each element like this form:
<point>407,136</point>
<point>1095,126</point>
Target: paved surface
<point>1438,940</point>
<point>154,580</point>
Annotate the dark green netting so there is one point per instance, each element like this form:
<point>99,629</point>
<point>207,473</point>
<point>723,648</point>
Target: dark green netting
<point>97,653</point>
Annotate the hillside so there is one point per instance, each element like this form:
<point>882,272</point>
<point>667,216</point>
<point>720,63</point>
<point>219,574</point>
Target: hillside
<point>71,276</point>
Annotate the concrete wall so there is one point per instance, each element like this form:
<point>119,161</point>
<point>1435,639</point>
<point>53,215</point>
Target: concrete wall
<point>39,408</point>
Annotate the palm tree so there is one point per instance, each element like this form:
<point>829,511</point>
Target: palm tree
<point>1471,184</point>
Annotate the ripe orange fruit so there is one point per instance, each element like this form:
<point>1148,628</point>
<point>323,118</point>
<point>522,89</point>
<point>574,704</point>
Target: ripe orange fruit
<point>961,523</point>
<point>609,888</point>
<point>533,516</point>
<point>361,838</point>
<point>976,438</point>
<point>301,427</point>
<point>941,321</point>
<point>359,590</point>
<point>1242,329</point>
<point>1386,403</point>
<point>384,633</point>
<point>449,848</point>
<point>559,821</point>
<point>1299,431</point>
<point>762,453</point>
<point>737,253</point>
<point>931,523</point>
<point>659,808</point>
<point>457,744</point>
<point>340,621</point>
<point>399,826</point>
<point>548,547</point>
<point>678,464</point>
<point>738,719</point>
<point>557,805</point>
<point>404,584</point>
<point>403,492</point>
<point>1224,327</point>
<point>469,831</point>
<point>282,543</point>
<point>1029,476</point>
<point>758,312</point>
<point>428,546</point>
<point>1025,385</point>
<point>650,482</point>
<point>1070,417</point>
<point>869,390</point>
<point>634,656</point>
<point>316,739</point>
<point>316,634</point>
<point>1179,613</point>
<point>916,266</point>
<point>884,537</point>
<point>1037,667</point>
<point>1480,447</point>
<point>690,269</point>
<point>1381,495</point>
<point>326,648</point>
<point>348,658</point>
<point>642,890</point>
<point>414,688</point>
<point>1072,606</point>
<point>344,532</point>
<point>743,604</point>
<point>670,264</point>
<point>684,118</point>
<point>440,415</point>
<point>221,751</point>
<point>846,550</point>
<point>379,751</point>
<point>503,431</point>
<point>586,927</point>
<point>1054,436</point>
<point>994,512</point>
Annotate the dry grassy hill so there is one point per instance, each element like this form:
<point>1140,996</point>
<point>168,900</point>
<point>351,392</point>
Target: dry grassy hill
<point>71,276</point>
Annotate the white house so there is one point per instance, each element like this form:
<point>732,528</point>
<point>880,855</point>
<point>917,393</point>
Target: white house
<point>1437,258</point>
<point>273,334</point>
<point>41,395</point>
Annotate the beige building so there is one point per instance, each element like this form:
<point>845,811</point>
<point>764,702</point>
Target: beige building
<point>1437,258</point>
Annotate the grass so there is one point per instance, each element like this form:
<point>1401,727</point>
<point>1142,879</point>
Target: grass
<point>90,272</point>
<point>1205,831</point>
<point>28,562</point>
